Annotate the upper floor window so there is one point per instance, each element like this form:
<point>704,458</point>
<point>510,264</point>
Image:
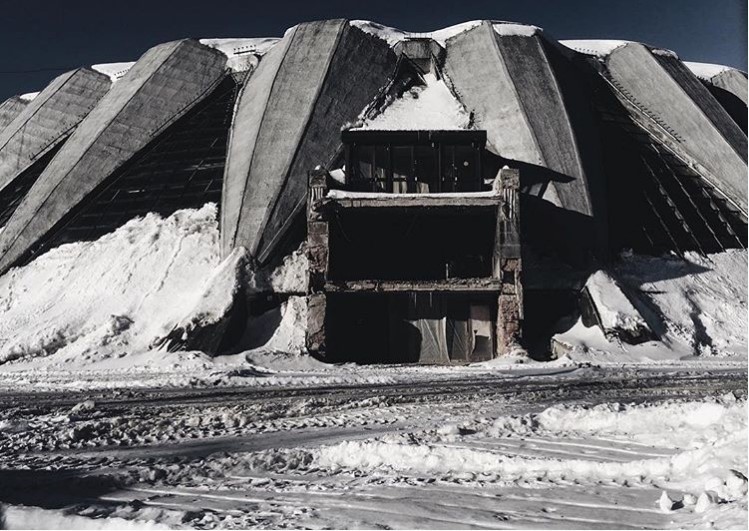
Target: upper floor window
<point>414,161</point>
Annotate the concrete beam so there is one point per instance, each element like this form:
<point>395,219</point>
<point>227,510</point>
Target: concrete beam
<point>165,83</point>
<point>288,119</point>
<point>666,99</point>
<point>48,119</point>
<point>11,108</point>
<point>429,201</point>
<point>450,285</point>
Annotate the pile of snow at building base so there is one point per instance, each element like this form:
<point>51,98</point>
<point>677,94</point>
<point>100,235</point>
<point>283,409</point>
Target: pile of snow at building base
<point>100,303</point>
<point>97,302</point>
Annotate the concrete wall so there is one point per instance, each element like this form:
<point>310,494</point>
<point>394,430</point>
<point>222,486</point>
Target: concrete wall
<point>164,84</point>
<point>730,89</point>
<point>288,120</point>
<point>709,106</point>
<point>733,81</point>
<point>9,109</point>
<point>510,84</point>
<point>48,119</point>
<point>701,128</point>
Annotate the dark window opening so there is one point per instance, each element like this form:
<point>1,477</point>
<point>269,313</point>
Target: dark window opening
<point>414,161</point>
<point>405,245</point>
<point>12,195</point>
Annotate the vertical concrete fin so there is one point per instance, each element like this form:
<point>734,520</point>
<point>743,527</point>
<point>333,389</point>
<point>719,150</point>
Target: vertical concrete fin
<point>48,119</point>
<point>289,120</point>
<point>164,84</point>
<point>9,109</point>
<point>661,105</point>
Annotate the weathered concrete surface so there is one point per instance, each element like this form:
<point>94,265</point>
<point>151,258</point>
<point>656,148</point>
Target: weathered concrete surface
<point>730,89</point>
<point>11,108</point>
<point>288,120</point>
<point>676,107</point>
<point>48,119</point>
<point>512,87</point>
<point>733,81</point>
<point>166,82</point>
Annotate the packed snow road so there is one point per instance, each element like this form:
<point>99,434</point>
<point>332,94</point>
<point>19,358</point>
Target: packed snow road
<point>556,447</point>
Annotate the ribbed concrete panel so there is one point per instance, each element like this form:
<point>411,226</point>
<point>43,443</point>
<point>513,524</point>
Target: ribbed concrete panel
<point>730,89</point>
<point>288,120</point>
<point>482,81</point>
<point>9,109</point>
<point>48,119</point>
<point>514,91</point>
<point>693,127</point>
<point>732,81</point>
<point>164,84</point>
<point>702,97</point>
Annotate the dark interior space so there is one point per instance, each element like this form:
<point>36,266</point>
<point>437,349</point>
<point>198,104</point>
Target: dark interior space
<point>547,312</point>
<point>182,167</point>
<point>12,195</point>
<point>657,203</point>
<point>733,105</point>
<point>415,161</point>
<point>411,244</point>
<point>410,327</point>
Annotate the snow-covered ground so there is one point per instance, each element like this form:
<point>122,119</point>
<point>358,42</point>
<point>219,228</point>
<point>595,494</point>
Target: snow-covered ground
<point>99,428</point>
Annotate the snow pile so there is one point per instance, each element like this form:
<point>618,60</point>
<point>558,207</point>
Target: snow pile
<point>289,336</point>
<point>432,106</point>
<point>242,54</point>
<point>706,71</point>
<point>393,35</point>
<point>617,315</point>
<point>19,517</point>
<point>114,70</point>
<point>234,47</point>
<point>88,301</point>
<point>289,277</point>
<point>29,96</point>
<point>696,305</point>
<point>598,48</point>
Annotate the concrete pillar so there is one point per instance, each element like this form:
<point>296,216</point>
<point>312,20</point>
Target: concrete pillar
<point>317,255</point>
<point>508,262</point>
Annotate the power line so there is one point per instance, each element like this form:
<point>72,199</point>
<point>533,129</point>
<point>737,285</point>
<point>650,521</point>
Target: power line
<point>37,70</point>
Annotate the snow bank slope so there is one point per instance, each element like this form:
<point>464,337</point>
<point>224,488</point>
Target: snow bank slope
<point>697,306</point>
<point>88,301</point>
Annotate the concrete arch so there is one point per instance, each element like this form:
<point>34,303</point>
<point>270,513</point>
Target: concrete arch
<point>166,82</point>
<point>288,119</point>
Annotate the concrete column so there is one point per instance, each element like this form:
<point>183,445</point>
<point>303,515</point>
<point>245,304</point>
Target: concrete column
<point>317,255</point>
<point>508,262</point>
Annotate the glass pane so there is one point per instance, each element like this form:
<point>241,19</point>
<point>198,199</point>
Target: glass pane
<point>449,174</point>
<point>426,169</point>
<point>363,165</point>
<point>381,163</point>
<point>465,167</point>
<point>402,168</point>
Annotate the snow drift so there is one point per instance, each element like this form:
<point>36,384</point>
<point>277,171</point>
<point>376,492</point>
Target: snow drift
<point>88,301</point>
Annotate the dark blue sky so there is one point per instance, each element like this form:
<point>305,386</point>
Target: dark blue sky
<point>45,34</point>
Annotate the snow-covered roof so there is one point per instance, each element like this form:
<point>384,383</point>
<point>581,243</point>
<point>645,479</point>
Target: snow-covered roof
<point>603,47</point>
<point>706,71</point>
<point>507,29</point>
<point>598,48</point>
<point>114,70</point>
<point>430,107</point>
<point>393,35</point>
<point>234,47</point>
